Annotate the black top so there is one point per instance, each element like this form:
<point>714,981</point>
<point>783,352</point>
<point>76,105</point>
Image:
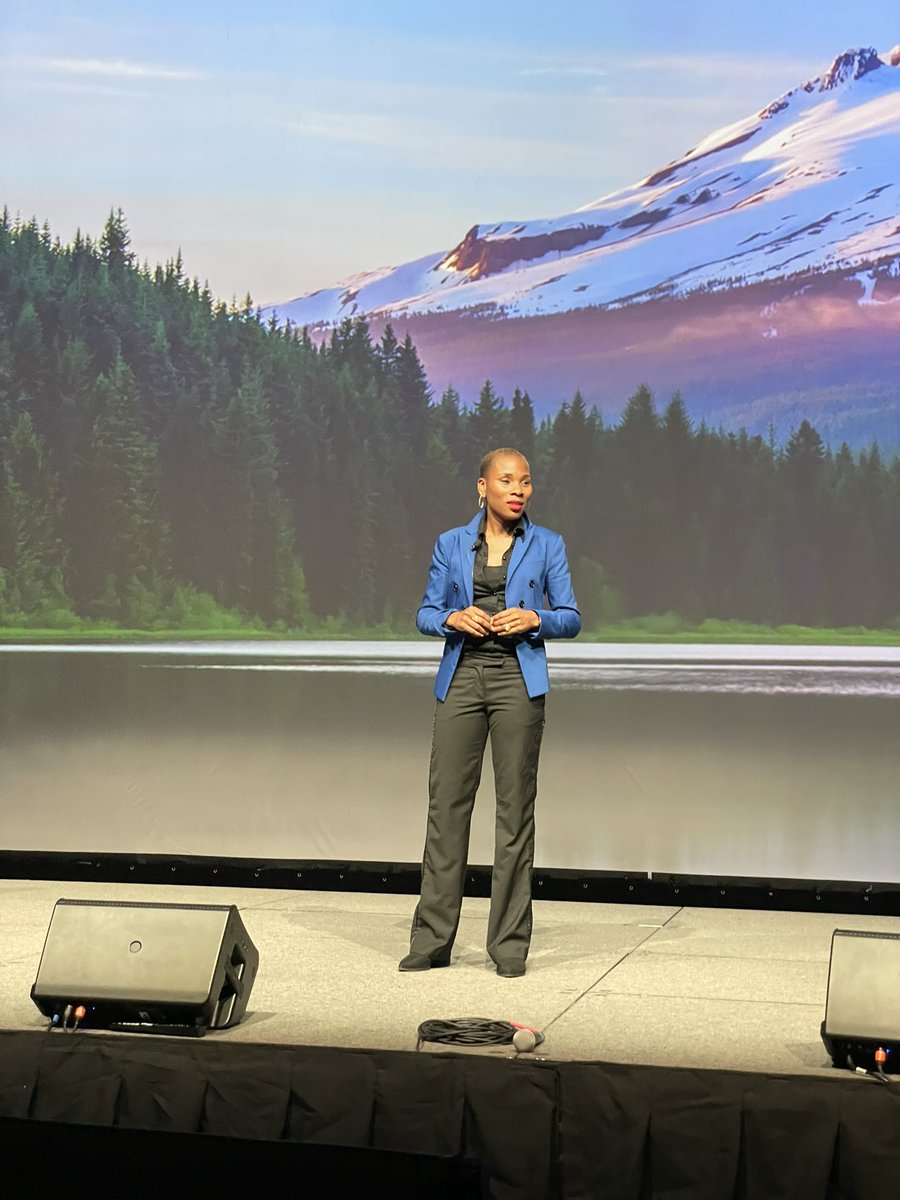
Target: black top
<point>489,594</point>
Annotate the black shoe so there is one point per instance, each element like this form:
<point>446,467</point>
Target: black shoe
<point>420,962</point>
<point>511,968</point>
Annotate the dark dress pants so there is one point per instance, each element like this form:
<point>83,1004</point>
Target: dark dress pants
<point>485,697</point>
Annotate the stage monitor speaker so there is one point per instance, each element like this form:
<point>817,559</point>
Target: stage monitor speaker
<point>862,1009</point>
<point>149,968</point>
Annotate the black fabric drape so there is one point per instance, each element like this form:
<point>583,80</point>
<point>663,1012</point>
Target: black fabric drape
<point>574,1131</point>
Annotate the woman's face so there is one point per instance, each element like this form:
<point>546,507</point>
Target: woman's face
<point>506,487</point>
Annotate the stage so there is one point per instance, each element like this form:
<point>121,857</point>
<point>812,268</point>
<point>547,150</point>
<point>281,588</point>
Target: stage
<point>682,1053</point>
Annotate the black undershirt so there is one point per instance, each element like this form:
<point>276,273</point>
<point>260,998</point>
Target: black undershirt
<point>489,594</point>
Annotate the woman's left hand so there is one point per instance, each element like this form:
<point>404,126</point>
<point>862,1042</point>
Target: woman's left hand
<point>514,620</point>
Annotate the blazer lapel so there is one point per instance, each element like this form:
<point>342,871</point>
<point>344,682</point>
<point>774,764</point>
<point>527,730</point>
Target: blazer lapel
<point>467,550</point>
<point>519,550</point>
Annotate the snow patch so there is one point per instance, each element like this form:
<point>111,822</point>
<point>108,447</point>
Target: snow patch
<point>809,184</point>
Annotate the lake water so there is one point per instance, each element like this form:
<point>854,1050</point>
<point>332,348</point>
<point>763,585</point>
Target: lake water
<point>780,762</point>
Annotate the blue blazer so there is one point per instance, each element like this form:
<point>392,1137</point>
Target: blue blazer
<point>538,569</point>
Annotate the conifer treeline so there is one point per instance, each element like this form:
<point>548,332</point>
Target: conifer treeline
<point>168,461</point>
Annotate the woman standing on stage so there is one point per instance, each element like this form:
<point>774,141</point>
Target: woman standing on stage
<point>497,588</point>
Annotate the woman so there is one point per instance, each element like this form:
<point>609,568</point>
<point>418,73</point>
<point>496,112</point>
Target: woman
<point>486,598</point>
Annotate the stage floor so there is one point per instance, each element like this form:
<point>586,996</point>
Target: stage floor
<point>684,987</point>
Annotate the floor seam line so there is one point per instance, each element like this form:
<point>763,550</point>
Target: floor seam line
<point>711,999</point>
<point>603,975</point>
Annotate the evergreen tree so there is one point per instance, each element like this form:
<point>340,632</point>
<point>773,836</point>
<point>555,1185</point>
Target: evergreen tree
<point>641,526</point>
<point>450,448</point>
<point>521,423</point>
<point>638,434</point>
<point>570,486</point>
<point>29,354</point>
<point>488,424</point>
<point>31,553</point>
<point>116,536</point>
<point>449,426</point>
<point>253,546</point>
<point>387,352</point>
<point>115,242</point>
<point>414,399</point>
<point>678,502</point>
<point>802,526</point>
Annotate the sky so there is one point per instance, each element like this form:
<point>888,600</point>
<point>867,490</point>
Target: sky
<point>285,147</point>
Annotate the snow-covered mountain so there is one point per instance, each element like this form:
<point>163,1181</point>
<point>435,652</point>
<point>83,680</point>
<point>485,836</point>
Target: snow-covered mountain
<point>759,273</point>
<point>810,183</point>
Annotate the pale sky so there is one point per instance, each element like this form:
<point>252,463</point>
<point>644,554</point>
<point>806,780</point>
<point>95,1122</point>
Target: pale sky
<point>285,147</point>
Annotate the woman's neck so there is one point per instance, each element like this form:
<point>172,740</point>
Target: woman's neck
<point>497,528</point>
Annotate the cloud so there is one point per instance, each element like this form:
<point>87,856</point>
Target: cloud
<point>715,66</point>
<point>708,70</point>
<point>364,128</point>
<point>106,91</point>
<point>564,71</point>
<point>112,69</point>
<point>716,87</point>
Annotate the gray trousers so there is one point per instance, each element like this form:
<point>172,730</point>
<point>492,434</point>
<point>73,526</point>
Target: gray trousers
<point>485,697</point>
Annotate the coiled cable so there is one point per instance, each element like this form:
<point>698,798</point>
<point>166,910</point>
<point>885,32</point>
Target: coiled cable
<point>467,1031</point>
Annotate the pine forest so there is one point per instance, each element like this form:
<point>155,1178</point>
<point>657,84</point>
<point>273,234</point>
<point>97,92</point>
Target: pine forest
<point>170,462</point>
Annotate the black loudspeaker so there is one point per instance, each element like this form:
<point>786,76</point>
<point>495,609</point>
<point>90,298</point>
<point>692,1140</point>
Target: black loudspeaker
<point>147,968</point>
<point>862,1011</point>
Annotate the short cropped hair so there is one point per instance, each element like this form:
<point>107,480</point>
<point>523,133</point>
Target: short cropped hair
<point>497,453</point>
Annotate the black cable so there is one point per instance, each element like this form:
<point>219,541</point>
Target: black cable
<point>467,1031</point>
<point>877,1074</point>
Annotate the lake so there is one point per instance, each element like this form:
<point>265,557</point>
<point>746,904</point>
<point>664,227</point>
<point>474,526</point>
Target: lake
<point>772,761</point>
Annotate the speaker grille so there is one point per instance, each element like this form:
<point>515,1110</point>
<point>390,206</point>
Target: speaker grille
<point>864,986</point>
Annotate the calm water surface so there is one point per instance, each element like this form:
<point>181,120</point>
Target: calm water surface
<point>772,761</point>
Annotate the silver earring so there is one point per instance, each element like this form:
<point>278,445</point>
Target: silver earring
<point>481,501</point>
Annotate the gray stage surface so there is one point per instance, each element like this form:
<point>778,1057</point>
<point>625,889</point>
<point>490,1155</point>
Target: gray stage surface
<point>670,986</point>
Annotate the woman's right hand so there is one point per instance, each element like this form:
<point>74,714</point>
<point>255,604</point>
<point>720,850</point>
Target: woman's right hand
<point>469,620</point>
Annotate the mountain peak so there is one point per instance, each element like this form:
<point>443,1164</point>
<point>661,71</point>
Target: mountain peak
<point>850,65</point>
<point>807,186</point>
<point>846,68</point>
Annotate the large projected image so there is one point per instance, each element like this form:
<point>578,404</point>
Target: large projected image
<point>222,419</point>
